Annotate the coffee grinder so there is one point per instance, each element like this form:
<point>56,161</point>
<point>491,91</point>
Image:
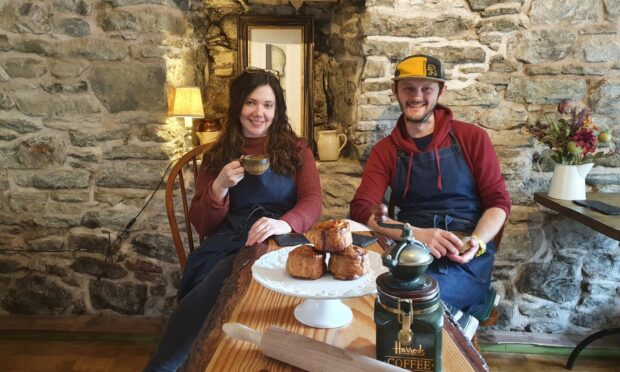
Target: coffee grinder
<point>408,312</point>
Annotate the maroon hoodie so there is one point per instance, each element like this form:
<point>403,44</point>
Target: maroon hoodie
<point>380,169</point>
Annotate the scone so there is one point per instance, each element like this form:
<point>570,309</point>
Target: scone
<point>352,263</point>
<point>304,262</point>
<point>331,236</point>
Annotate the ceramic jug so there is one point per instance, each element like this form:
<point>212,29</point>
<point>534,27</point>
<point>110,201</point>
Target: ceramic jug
<point>207,130</point>
<point>329,144</point>
<point>569,181</point>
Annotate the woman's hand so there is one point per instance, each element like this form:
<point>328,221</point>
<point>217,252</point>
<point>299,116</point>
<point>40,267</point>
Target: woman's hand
<point>264,228</point>
<point>229,176</point>
<point>439,242</point>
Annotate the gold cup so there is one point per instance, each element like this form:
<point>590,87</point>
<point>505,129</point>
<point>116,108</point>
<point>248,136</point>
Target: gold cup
<point>255,164</point>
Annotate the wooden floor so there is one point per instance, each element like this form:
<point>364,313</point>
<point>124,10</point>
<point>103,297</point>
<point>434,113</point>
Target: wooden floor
<point>53,344</point>
<point>52,356</point>
<point>98,344</point>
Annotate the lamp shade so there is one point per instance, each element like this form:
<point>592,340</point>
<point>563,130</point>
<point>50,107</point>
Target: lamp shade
<point>187,102</point>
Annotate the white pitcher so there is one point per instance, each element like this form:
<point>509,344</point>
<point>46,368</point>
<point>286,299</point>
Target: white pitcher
<point>569,181</point>
<point>329,144</point>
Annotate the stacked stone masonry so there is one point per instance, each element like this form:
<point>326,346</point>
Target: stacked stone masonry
<point>84,136</point>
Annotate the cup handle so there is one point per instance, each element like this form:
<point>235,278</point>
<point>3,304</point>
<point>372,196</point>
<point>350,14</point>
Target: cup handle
<point>241,159</point>
<point>343,143</point>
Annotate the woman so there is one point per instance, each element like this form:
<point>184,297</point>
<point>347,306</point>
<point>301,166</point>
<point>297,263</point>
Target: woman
<point>236,209</point>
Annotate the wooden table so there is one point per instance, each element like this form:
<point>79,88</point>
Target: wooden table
<point>603,223</point>
<point>245,301</point>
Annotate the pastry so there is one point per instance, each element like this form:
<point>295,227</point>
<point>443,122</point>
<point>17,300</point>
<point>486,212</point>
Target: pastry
<point>331,236</point>
<point>304,262</point>
<point>352,263</point>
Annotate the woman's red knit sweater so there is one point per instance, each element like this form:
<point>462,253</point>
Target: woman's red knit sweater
<point>206,214</point>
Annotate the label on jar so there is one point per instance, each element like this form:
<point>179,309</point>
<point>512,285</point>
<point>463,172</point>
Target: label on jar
<point>413,358</point>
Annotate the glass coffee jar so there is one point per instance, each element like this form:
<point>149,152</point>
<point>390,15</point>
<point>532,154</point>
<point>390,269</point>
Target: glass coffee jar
<point>408,312</point>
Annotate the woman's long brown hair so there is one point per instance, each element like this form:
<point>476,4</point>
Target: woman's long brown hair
<point>282,146</point>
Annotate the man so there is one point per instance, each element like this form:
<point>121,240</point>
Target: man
<point>445,180</point>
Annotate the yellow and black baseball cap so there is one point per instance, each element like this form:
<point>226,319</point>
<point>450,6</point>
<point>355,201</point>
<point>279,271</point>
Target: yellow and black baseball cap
<point>419,66</point>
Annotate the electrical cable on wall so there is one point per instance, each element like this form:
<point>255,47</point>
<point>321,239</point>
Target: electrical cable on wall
<point>119,237</point>
<point>123,234</point>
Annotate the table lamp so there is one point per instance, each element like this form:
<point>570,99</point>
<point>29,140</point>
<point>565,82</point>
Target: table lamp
<point>187,103</point>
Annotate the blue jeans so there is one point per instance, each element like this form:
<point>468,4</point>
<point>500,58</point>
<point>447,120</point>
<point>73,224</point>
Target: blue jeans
<point>464,286</point>
<point>187,318</point>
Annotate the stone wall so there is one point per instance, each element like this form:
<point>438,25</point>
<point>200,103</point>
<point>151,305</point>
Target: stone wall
<point>84,138</point>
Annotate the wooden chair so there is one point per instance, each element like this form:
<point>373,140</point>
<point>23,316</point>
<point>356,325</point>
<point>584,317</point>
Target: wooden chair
<point>185,169</point>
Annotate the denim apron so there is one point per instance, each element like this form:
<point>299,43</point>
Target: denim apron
<point>450,205</point>
<point>267,195</point>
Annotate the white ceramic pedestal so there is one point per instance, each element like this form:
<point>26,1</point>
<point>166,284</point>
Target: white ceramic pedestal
<point>322,306</point>
<point>324,313</point>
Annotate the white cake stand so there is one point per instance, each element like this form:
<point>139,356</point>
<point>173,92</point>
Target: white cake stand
<point>322,307</point>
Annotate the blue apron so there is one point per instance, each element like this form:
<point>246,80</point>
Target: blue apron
<point>267,195</point>
<point>452,205</point>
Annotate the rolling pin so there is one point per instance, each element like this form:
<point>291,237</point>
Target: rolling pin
<point>304,352</point>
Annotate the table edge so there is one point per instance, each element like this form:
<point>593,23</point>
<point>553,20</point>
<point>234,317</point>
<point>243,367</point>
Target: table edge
<point>544,200</point>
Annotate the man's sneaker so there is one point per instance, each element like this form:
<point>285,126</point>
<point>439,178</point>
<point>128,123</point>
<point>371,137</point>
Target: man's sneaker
<point>466,322</point>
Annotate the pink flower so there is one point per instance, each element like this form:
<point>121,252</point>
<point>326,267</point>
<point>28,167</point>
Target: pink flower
<point>586,139</point>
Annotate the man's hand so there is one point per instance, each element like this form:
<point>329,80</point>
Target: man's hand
<point>439,242</point>
<point>468,255</point>
<point>379,212</point>
<point>378,215</point>
<point>264,228</point>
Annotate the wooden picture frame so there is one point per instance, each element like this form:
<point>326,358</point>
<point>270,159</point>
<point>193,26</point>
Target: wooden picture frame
<point>284,44</point>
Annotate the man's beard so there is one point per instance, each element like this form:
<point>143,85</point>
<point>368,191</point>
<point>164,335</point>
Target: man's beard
<point>418,121</point>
